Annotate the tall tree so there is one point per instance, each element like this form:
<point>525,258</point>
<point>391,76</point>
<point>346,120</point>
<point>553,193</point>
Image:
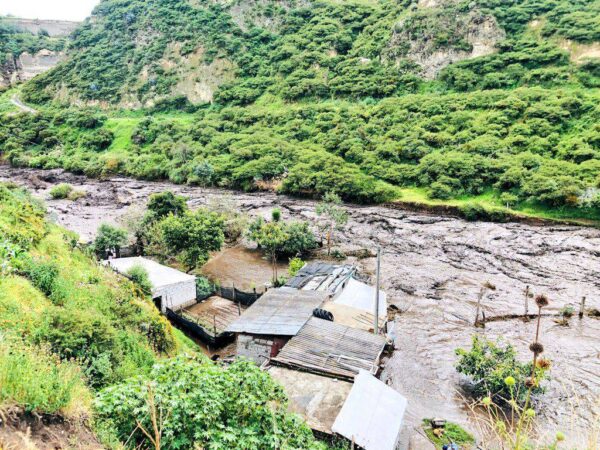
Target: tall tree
<point>333,214</point>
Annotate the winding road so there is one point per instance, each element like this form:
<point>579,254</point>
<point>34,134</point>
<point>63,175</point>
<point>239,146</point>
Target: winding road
<point>15,100</point>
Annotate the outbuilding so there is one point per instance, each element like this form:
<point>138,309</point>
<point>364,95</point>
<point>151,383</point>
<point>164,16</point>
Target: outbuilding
<point>171,288</point>
<point>264,328</point>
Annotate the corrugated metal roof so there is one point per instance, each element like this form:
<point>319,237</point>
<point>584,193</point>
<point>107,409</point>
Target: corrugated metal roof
<point>320,276</point>
<point>334,349</point>
<point>158,274</point>
<point>372,414</point>
<point>279,312</point>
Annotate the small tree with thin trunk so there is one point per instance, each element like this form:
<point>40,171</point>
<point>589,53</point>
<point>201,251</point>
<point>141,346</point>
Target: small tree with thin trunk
<point>271,238</point>
<point>333,214</point>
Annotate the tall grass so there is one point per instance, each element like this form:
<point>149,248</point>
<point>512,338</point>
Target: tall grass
<point>34,379</point>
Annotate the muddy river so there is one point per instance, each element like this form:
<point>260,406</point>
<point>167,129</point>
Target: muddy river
<point>433,268</point>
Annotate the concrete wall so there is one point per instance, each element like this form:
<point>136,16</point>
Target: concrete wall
<point>259,348</point>
<point>178,295</point>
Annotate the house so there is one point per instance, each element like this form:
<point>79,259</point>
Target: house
<point>332,350</point>
<point>317,399</point>
<point>264,328</point>
<point>352,301</point>
<point>170,288</point>
<point>366,412</point>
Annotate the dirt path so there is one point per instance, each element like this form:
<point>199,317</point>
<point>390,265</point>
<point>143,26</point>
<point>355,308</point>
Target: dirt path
<point>433,268</point>
<point>15,100</point>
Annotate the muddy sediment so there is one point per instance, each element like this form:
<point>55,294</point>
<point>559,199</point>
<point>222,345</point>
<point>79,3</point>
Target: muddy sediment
<point>433,268</point>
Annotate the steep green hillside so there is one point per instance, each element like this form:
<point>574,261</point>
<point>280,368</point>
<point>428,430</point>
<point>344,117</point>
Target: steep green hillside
<point>434,101</point>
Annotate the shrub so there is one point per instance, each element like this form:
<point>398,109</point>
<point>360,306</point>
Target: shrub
<point>35,379</point>
<point>235,407</point>
<point>295,265</point>
<point>61,191</point>
<point>109,237</point>
<point>139,275</point>
<point>488,364</point>
<point>43,275</point>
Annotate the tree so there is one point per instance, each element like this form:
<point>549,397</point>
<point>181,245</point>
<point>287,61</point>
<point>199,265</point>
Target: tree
<point>109,238</point>
<point>271,237</point>
<point>192,236</point>
<point>164,203</point>
<point>335,217</point>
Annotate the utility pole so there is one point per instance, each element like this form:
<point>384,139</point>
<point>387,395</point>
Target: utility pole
<point>377,279</point>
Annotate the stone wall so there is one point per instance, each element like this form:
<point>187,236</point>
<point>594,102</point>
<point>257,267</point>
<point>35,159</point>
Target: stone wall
<point>254,347</point>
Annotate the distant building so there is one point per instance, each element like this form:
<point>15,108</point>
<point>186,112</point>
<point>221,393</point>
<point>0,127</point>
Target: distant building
<point>171,288</point>
<point>272,320</point>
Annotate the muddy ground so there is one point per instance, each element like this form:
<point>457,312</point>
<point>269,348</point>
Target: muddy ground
<point>433,268</point>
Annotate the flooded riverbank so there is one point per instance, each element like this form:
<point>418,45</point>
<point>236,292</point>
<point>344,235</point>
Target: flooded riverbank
<point>433,268</point>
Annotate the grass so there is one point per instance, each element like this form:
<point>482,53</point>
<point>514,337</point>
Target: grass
<point>453,433</point>
<point>36,380</point>
<point>490,200</point>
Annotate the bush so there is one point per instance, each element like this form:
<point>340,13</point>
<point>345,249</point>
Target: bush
<point>488,364</point>
<point>235,407</point>
<point>36,380</point>
<point>108,238</point>
<point>295,265</point>
<point>43,275</point>
<point>139,275</point>
<point>61,191</point>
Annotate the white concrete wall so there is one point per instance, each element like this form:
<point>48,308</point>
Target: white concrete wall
<point>177,295</point>
<point>257,349</point>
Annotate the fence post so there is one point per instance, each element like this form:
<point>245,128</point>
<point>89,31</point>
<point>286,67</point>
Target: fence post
<point>582,307</point>
<point>527,301</point>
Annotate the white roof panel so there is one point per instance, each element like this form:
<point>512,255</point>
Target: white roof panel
<point>361,296</point>
<point>159,275</point>
<point>372,414</point>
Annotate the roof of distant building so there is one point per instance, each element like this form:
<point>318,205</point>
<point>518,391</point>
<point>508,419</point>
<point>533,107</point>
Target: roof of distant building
<point>158,274</point>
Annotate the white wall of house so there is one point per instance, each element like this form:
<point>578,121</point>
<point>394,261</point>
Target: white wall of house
<point>177,295</point>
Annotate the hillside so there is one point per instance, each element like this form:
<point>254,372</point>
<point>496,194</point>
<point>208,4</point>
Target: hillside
<point>82,349</point>
<point>30,47</point>
<point>437,101</point>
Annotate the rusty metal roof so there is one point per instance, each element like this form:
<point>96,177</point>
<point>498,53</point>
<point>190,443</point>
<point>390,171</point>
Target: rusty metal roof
<point>279,312</point>
<point>332,349</point>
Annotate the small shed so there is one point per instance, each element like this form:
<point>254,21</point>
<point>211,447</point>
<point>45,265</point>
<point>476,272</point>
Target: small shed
<point>372,414</point>
<point>318,399</point>
<point>171,288</point>
<point>272,320</point>
<point>332,349</point>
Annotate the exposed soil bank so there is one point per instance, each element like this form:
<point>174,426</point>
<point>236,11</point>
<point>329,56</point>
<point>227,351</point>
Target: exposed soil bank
<point>433,268</point>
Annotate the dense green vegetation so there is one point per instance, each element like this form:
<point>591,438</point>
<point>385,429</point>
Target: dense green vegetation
<point>322,96</point>
<point>80,341</point>
<point>198,404</point>
<point>14,41</point>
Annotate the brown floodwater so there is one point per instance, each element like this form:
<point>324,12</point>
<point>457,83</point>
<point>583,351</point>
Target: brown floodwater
<point>244,267</point>
<point>433,268</point>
